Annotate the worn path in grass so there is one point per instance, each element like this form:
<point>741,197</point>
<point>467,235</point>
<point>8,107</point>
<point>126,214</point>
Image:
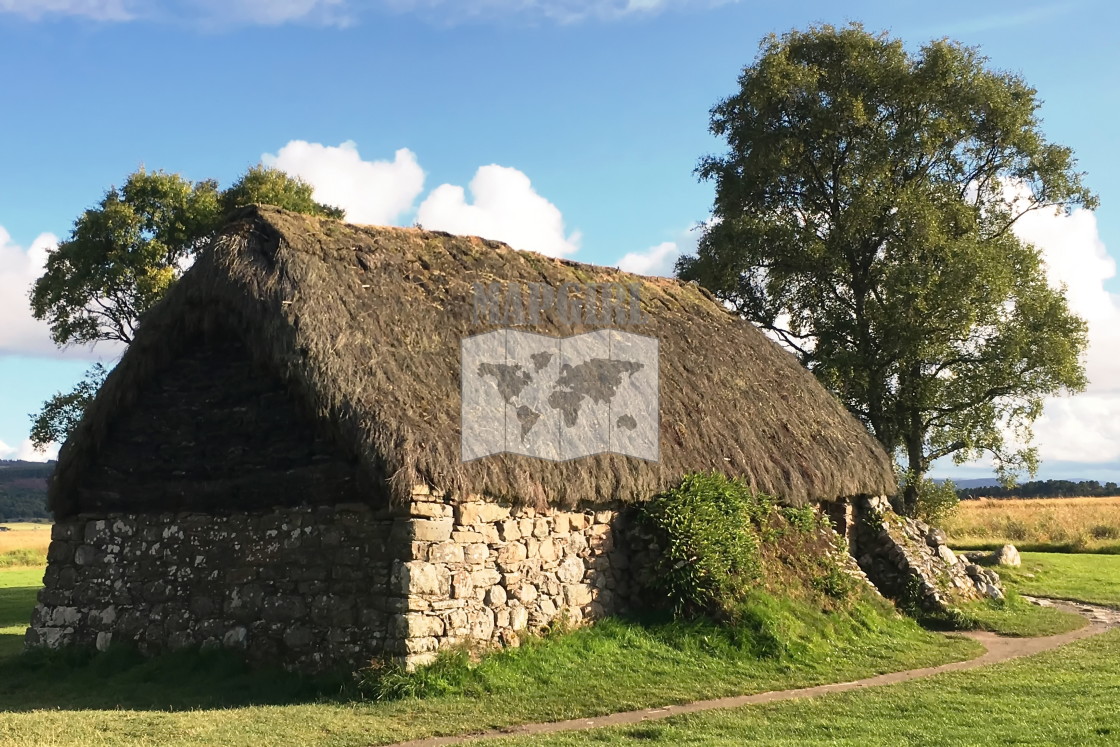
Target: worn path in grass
<point>999,649</point>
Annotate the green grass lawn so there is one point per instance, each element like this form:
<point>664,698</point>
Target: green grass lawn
<point>1086,577</point>
<point>119,698</point>
<point>1066,696</point>
<point>1014,616</point>
<point>17,599</point>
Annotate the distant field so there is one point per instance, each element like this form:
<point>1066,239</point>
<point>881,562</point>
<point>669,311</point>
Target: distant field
<point>24,545</point>
<point>1041,524</point>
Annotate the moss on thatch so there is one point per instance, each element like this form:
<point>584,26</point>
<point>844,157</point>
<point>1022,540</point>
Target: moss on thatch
<point>365,323</point>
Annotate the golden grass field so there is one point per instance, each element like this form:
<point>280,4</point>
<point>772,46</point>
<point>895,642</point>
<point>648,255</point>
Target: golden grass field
<point>1075,524</point>
<point>25,544</point>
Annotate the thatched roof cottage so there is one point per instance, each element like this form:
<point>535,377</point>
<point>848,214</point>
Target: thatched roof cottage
<point>276,465</point>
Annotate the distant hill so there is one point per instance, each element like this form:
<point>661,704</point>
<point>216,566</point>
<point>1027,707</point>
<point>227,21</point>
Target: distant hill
<point>23,490</point>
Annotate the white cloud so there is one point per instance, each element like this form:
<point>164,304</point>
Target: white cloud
<point>1084,428</point>
<point>20,333</point>
<point>372,192</point>
<point>657,260</point>
<point>27,453</point>
<point>97,10</point>
<point>661,259</point>
<point>505,207</point>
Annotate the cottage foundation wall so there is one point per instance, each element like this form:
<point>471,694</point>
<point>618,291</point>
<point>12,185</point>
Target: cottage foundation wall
<point>317,588</point>
<point>304,587</point>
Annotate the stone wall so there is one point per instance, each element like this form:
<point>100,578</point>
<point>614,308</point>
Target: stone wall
<point>906,558</point>
<point>304,587</point>
<point>485,574</point>
<point>314,588</point>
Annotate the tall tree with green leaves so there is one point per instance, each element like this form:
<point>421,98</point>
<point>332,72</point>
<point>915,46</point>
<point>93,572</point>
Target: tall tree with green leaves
<point>864,216</point>
<point>123,255</point>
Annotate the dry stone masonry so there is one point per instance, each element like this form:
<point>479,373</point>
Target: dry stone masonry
<point>305,586</point>
<point>322,587</point>
<point>905,557</point>
<point>484,573</point>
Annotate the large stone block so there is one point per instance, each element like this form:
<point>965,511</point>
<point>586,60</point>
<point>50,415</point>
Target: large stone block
<point>470,514</point>
<point>577,595</point>
<point>432,530</point>
<point>418,577</point>
<point>417,625</point>
<point>570,570</point>
<point>510,556</point>
<point>445,552</point>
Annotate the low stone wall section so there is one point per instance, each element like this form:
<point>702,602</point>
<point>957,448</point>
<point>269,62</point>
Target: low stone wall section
<point>304,587</point>
<point>485,574</point>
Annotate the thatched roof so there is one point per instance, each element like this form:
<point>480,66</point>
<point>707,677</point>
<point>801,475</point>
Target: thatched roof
<point>365,324</point>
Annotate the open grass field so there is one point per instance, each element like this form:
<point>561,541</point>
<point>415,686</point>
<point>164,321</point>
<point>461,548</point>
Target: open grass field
<point>24,544</point>
<point>1063,697</point>
<point>1086,578</point>
<point>1077,525</point>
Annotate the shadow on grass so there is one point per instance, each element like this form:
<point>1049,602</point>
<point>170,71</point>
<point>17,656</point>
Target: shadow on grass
<point>16,604</point>
<point>75,679</point>
<point>81,679</point>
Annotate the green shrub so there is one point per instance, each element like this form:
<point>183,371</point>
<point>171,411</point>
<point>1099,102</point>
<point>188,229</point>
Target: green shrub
<point>834,581</point>
<point>935,502</point>
<point>707,531</point>
<point>1105,531</point>
<point>804,518</point>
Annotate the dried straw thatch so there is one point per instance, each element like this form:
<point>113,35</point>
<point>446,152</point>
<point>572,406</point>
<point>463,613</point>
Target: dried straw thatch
<point>364,324</point>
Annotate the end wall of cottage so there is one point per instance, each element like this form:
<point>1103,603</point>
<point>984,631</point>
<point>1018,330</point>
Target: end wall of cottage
<point>306,587</point>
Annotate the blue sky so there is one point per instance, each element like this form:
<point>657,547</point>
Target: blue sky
<point>596,113</point>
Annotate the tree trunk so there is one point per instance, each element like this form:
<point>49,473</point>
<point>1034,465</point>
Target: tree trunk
<point>915,441</point>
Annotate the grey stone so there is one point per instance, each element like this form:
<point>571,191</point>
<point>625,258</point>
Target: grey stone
<point>946,554</point>
<point>1008,555</point>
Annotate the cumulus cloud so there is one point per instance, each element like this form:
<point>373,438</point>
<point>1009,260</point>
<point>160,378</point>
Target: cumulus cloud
<point>1084,428</point>
<point>505,207</point>
<point>662,258</point>
<point>657,260</point>
<point>372,192</point>
<point>21,333</point>
<point>27,453</point>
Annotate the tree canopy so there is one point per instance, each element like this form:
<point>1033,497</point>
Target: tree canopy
<point>122,255</point>
<point>864,216</point>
